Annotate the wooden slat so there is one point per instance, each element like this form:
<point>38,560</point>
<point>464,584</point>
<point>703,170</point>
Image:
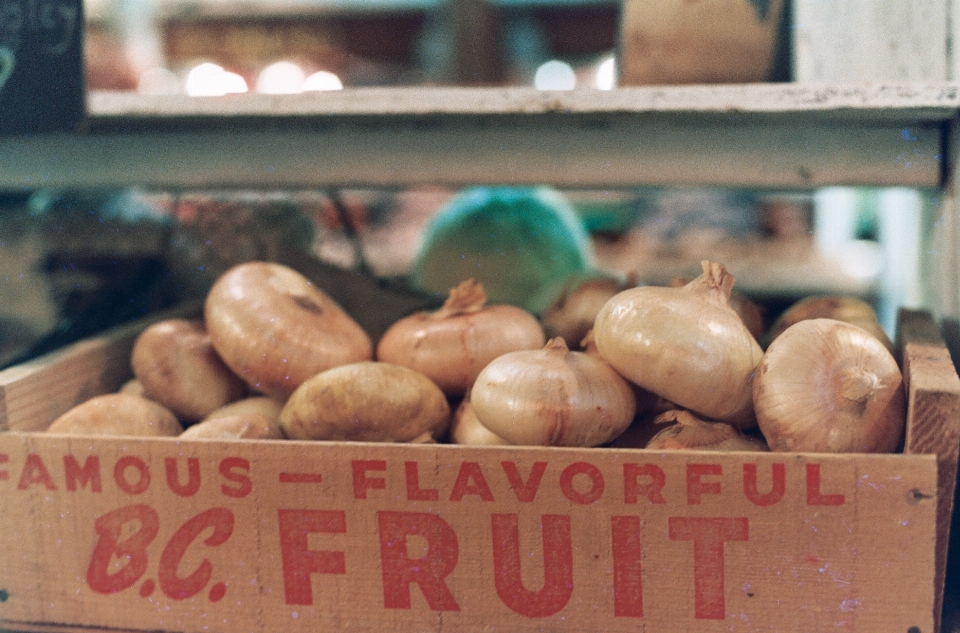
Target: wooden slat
<point>848,101</point>
<point>863,562</point>
<point>934,417</point>
<point>761,136</point>
<point>582,151</point>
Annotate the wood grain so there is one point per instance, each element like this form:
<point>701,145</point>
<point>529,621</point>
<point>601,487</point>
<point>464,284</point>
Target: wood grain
<point>933,417</point>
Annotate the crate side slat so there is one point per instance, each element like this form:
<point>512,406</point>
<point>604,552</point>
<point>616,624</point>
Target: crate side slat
<point>933,416</point>
<point>799,568</point>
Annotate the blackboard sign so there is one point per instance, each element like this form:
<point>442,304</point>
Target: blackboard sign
<point>42,87</point>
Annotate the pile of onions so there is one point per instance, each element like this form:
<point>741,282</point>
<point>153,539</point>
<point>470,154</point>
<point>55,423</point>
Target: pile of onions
<point>453,344</point>
<point>275,329</point>
<point>552,397</point>
<point>685,344</point>
<point>828,386</point>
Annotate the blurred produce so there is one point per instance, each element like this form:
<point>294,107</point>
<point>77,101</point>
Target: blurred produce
<point>520,243</point>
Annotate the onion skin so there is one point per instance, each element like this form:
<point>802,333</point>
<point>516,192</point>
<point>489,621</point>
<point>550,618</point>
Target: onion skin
<point>685,431</point>
<point>686,345</point>
<point>118,414</point>
<point>553,397</point>
<point>646,402</point>
<point>275,329</point>
<point>453,344</point>
<point>248,426</point>
<point>369,401</point>
<point>466,429</point>
<point>751,313</point>
<point>826,386</point>
<point>178,367</point>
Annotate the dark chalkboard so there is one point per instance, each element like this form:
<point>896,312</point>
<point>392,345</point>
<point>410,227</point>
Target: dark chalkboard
<point>42,87</point>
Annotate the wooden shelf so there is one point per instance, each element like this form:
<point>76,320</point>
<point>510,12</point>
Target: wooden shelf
<point>762,135</point>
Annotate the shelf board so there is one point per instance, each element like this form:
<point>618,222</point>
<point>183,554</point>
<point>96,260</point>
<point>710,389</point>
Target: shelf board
<point>755,135</point>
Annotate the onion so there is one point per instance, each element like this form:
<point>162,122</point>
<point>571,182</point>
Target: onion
<point>553,397</point>
<point>275,329</point>
<point>826,386</point>
<point>467,429</point>
<point>175,362</point>
<point>118,414</point>
<point>646,401</point>
<point>751,313</point>
<point>572,313</point>
<point>686,345</point>
<point>839,307</point>
<point>366,402</point>
<point>451,346</point>
<point>686,431</point>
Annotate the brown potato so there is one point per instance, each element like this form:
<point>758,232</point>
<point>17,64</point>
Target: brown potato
<point>370,401</point>
<point>118,414</point>
<point>178,367</point>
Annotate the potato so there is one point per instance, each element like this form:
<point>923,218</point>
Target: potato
<point>178,367</point>
<point>118,414</point>
<point>369,401</point>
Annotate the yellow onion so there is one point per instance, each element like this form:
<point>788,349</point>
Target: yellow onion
<point>840,307</point>
<point>751,313</point>
<point>275,329</point>
<point>178,367</point>
<point>451,345</point>
<point>827,386</point>
<point>118,414</point>
<point>468,430</point>
<point>552,397</point>
<point>685,344</point>
<point>370,401</point>
<point>572,313</point>
<point>681,430</point>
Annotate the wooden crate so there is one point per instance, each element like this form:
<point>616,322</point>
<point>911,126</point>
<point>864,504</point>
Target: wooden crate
<point>162,534</point>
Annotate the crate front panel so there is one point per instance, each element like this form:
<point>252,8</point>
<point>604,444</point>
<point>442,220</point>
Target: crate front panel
<point>292,536</point>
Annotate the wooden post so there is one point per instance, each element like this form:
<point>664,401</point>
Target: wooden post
<point>870,40</point>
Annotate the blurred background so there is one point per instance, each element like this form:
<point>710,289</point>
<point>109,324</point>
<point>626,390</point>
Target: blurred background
<point>75,262</point>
